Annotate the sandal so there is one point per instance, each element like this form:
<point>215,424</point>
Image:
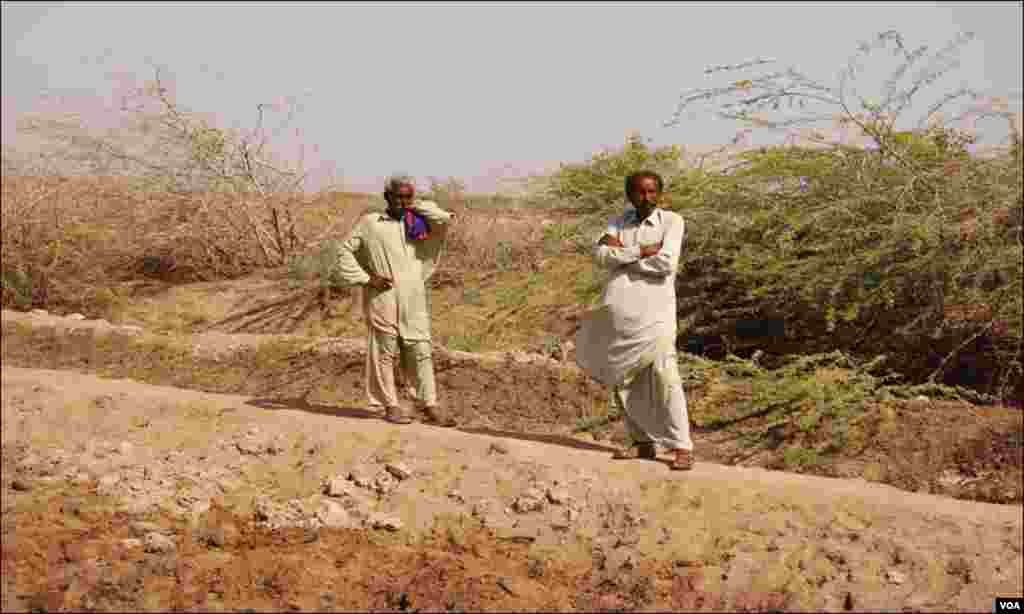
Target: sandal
<point>683,460</point>
<point>434,416</point>
<point>645,450</point>
<point>395,415</point>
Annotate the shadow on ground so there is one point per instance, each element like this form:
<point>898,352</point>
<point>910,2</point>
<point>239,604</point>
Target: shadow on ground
<point>314,408</point>
<point>362,413</point>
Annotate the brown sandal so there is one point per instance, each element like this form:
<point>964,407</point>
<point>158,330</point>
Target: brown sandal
<point>436,417</point>
<point>683,460</point>
<point>646,451</point>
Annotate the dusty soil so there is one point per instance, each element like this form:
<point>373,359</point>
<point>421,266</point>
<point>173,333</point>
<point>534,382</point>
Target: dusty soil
<point>119,495</point>
<point>929,446</point>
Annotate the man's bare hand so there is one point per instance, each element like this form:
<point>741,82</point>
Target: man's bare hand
<point>379,283</point>
<point>650,250</point>
<point>610,241</point>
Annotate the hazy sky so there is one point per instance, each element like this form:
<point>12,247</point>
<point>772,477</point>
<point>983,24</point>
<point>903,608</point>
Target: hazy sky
<point>455,89</point>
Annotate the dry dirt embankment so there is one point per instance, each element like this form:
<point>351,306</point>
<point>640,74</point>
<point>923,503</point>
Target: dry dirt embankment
<point>123,495</point>
<point>925,445</point>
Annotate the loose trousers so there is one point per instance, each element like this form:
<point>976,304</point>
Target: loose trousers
<point>654,405</point>
<point>386,351</point>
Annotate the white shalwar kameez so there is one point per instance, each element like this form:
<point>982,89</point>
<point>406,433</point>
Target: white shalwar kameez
<point>628,341</point>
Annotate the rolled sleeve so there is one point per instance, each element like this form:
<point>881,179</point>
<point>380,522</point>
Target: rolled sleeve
<point>431,212</point>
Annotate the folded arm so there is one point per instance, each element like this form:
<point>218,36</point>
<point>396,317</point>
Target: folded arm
<point>610,253</point>
<point>664,261</point>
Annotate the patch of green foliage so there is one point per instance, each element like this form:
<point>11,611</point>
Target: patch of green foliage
<point>868,237</point>
<point>797,457</point>
<point>320,266</point>
<point>16,286</point>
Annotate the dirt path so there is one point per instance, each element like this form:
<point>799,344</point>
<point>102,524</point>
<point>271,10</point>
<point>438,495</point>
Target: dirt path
<point>78,449</point>
<point>948,448</point>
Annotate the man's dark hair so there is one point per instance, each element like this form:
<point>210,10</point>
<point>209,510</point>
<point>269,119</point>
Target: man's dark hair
<point>643,175</point>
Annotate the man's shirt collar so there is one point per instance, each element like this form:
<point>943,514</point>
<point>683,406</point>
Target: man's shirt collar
<point>654,219</point>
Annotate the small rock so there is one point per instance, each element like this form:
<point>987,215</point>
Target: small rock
<point>666,536</point>
<point>457,496</point>
<point>141,528</point>
<point>922,398</point>
<point>896,577</point>
<point>129,329</point>
<point>530,501</point>
<point>328,601</point>
<point>212,536</point>
<point>333,515</point>
<point>76,316</point>
<point>961,568</point>
<point>263,507</point>
<point>40,312</point>
<point>21,485</point>
<point>360,479</point>
<point>28,463</point>
<point>131,542</point>
<point>384,483</point>
<point>337,487</point>
<point>399,470</point>
<point>250,447</point>
<point>558,496</point>
<point>389,523</point>
<point>72,507</point>
<point>572,514</point>
<point>498,447</point>
<point>158,543</point>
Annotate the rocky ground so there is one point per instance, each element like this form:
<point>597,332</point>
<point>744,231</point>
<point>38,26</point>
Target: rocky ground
<point>120,495</point>
<point>123,495</point>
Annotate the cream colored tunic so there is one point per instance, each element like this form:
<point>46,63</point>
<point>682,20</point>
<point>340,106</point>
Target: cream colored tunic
<point>378,245</point>
<point>628,341</point>
<point>635,321</point>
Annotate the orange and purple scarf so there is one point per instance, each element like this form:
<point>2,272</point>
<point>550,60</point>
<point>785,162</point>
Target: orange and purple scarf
<point>416,227</point>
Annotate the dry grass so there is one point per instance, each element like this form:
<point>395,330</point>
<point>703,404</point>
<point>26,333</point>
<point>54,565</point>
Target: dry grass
<point>66,241</point>
<point>103,248</point>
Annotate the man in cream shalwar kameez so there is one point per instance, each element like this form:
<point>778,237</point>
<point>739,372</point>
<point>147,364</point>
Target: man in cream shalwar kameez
<point>628,341</point>
<point>393,271</point>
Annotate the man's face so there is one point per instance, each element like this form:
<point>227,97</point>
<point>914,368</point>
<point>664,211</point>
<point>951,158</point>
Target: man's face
<point>643,194</point>
<point>403,197</point>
